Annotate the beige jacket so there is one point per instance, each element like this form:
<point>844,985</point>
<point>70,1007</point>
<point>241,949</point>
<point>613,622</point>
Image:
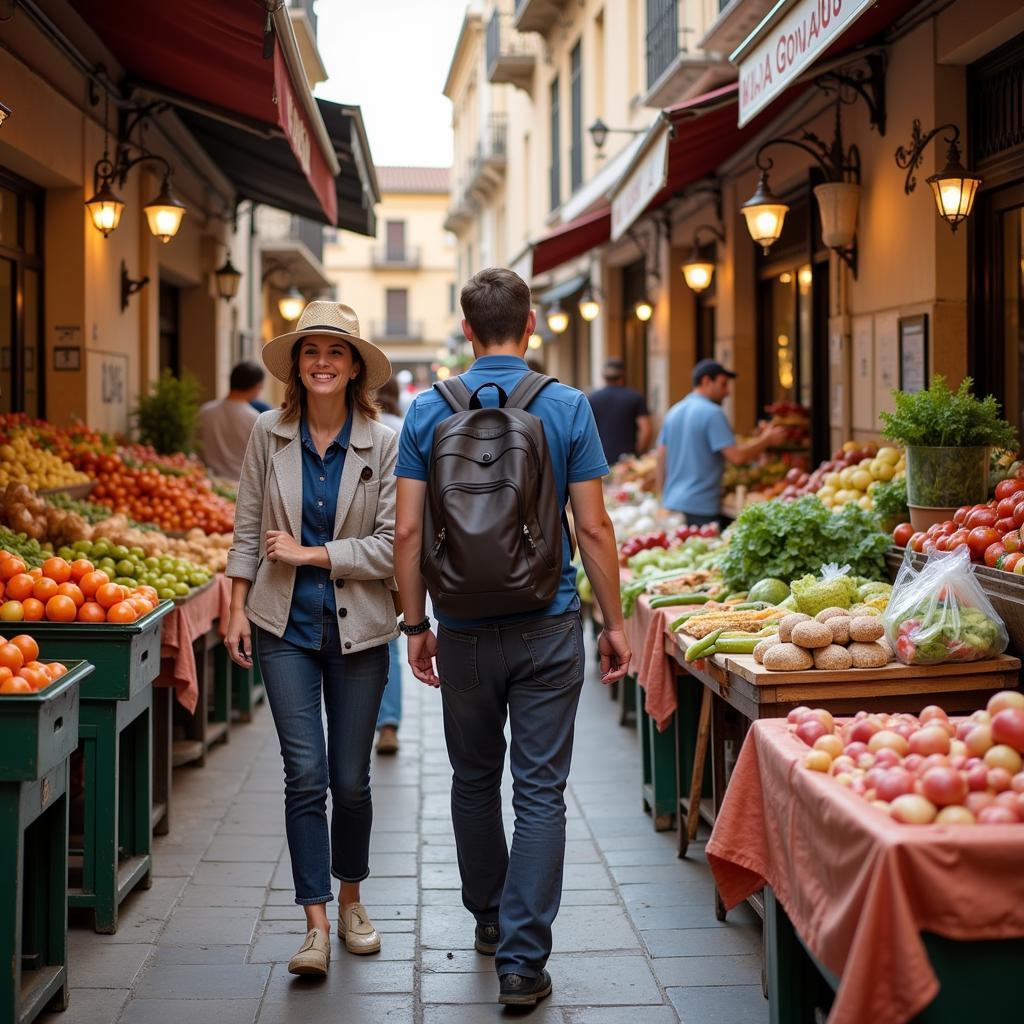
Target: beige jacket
<point>362,561</point>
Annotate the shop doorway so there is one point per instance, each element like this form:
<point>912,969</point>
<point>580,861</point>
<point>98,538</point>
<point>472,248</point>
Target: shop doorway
<point>170,328</point>
<point>634,340</point>
<point>21,297</point>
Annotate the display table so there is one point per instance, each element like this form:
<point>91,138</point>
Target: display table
<point>189,674</point>
<point>38,733</point>
<point>865,894</point>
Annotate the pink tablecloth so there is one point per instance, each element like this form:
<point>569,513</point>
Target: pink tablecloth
<point>656,672</point>
<point>180,628</point>
<point>858,886</point>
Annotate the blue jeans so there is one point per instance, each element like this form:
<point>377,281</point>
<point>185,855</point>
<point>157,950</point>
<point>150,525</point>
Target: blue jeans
<point>391,704</point>
<point>352,685</point>
<point>531,673</point>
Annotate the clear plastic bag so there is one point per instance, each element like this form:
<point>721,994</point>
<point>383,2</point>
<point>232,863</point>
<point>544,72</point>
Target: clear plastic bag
<point>941,614</point>
<point>833,588</point>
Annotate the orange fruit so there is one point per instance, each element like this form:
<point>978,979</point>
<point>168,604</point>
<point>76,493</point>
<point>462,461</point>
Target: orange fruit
<point>109,594</point>
<point>15,685</point>
<point>61,609</point>
<point>5,673</point>
<point>57,569</point>
<point>73,591</point>
<point>79,568</point>
<point>36,675</point>
<point>121,612</point>
<point>92,612</point>
<point>149,593</point>
<point>3,587</point>
<point>36,573</point>
<point>19,587</point>
<point>44,589</point>
<point>11,657</point>
<point>27,645</point>
<point>12,611</point>
<point>141,605</point>
<point>11,567</point>
<point>57,669</point>
<point>92,581</point>
<point>32,609</point>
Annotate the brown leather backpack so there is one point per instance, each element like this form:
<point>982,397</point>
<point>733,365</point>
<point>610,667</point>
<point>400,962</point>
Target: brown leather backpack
<point>492,525</point>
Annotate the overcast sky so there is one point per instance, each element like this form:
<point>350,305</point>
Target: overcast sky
<point>391,58</point>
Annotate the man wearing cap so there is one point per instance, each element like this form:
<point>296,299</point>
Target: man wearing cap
<point>623,420</point>
<point>695,442</point>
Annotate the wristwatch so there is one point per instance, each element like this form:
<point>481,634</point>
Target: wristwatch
<point>420,627</point>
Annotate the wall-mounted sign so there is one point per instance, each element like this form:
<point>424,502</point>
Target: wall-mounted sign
<point>914,353</point>
<point>641,184</point>
<point>780,49</point>
<point>108,391</point>
<point>67,358</point>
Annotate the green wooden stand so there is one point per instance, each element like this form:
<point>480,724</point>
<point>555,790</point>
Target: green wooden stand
<point>38,733</point>
<point>211,720</point>
<point>658,750</point>
<point>246,685</point>
<point>628,700</point>
<point>800,989</point>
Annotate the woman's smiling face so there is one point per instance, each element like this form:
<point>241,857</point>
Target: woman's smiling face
<point>326,365</point>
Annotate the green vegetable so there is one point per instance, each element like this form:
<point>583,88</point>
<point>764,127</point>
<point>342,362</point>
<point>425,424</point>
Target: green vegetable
<point>736,645</point>
<point>788,539</point>
<point>671,600</point>
<point>687,615</point>
<point>770,590</point>
<point>751,606</point>
<point>833,589</point>
<point>703,647</point>
<point>890,503</point>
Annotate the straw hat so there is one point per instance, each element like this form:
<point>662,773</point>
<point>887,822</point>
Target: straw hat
<point>325,318</point>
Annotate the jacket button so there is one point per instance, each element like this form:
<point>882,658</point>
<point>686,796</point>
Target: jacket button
<point>348,645</point>
<point>343,612</point>
<point>339,583</point>
<point>366,473</point>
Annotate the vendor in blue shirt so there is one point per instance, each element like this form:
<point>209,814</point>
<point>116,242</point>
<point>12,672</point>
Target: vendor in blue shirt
<point>695,442</point>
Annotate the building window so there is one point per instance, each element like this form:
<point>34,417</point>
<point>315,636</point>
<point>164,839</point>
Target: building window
<point>396,313</point>
<point>21,268</point>
<point>395,241</point>
<point>169,317</point>
<point>555,182</point>
<point>576,110</point>
<point>662,37</point>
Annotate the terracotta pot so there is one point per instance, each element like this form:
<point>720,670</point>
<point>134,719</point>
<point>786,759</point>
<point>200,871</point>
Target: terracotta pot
<point>921,517</point>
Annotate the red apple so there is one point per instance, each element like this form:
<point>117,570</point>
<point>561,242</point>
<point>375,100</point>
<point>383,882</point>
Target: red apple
<point>1008,727</point>
<point>944,786</point>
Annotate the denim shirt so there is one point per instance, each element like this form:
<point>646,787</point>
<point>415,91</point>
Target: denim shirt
<point>313,597</point>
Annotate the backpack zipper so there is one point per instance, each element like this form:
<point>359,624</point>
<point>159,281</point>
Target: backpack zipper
<point>437,544</point>
<point>529,538</point>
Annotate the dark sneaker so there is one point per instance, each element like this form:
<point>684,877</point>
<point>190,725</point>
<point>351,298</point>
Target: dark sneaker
<point>519,991</point>
<point>487,938</point>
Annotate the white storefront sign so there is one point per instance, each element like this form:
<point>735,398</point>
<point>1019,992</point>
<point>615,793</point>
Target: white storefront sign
<point>641,185</point>
<point>789,46</point>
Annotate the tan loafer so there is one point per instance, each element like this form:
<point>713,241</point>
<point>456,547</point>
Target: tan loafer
<point>356,930</point>
<point>387,740</point>
<point>314,954</point>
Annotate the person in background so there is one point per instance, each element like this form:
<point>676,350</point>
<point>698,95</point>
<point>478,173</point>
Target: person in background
<point>226,423</point>
<point>695,442</point>
<point>622,417</point>
<point>390,716</point>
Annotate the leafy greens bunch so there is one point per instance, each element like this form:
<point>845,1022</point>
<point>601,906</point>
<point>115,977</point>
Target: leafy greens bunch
<point>938,417</point>
<point>788,540</point>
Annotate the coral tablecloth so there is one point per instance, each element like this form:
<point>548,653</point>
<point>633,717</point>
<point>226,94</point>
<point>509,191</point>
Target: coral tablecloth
<point>859,887</point>
<point>656,672</point>
<point>181,627</point>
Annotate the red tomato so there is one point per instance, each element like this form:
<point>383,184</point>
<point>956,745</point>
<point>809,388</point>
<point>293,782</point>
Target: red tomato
<point>993,553</point>
<point>916,542</point>
<point>942,543</point>
<point>1008,562</point>
<point>1004,526</point>
<point>961,514</point>
<point>1007,505</point>
<point>1012,541</point>
<point>902,534</point>
<point>1005,488</point>
<point>980,539</point>
<point>983,516</point>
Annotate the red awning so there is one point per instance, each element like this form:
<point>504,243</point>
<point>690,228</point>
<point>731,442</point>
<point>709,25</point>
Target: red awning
<point>212,53</point>
<point>572,239</point>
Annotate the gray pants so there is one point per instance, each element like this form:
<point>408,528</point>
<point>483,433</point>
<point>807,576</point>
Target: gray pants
<point>531,673</point>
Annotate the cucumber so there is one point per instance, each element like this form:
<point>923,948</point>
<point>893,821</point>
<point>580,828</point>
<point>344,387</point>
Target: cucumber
<point>671,600</point>
<point>736,645</point>
<point>703,647</point>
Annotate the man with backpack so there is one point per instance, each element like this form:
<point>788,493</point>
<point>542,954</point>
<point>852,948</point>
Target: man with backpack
<point>487,462</point>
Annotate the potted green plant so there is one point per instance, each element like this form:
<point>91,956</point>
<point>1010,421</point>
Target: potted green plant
<point>168,416</point>
<point>947,435</point>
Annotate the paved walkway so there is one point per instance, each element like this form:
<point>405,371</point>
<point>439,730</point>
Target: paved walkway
<point>636,938</point>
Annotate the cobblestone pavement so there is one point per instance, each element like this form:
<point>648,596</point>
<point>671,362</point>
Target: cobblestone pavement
<point>636,938</point>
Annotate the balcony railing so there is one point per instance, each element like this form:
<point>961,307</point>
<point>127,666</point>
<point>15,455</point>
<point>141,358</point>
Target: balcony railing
<point>662,37</point>
<point>511,55</point>
<point>396,330</point>
<point>398,257</point>
<point>537,15</point>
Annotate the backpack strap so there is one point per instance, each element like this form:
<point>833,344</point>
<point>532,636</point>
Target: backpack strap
<point>528,388</point>
<point>454,392</point>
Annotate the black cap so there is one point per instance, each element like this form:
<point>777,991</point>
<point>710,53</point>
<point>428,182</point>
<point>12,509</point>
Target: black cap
<point>709,368</point>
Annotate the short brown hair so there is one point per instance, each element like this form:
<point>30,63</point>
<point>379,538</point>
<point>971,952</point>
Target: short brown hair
<point>356,392</point>
<point>496,302</point>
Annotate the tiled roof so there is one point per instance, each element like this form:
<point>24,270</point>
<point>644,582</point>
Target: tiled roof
<point>413,179</point>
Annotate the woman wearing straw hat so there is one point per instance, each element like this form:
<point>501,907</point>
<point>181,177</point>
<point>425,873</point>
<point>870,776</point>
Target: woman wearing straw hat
<point>311,570</point>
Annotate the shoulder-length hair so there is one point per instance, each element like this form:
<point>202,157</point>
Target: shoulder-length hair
<point>356,393</point>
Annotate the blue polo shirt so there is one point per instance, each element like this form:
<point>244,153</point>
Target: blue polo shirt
<point>694,433</point>
<point>313,597</point>
<point>573,442</point>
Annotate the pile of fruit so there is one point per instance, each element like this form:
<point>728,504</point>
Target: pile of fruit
<point>993,531</point>
<point>926,768</point>
<point>24,462</point>
<point>62,591</point>
<point>131,566</point>
<point>662,539</point>
<point>21,671</point>
<point>851,475</point>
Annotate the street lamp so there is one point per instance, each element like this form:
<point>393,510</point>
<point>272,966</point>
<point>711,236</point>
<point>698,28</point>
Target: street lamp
<point>697,271</point>
<point>765,214</point>
<point>643,311</point>
<point>105,208</point>
<point>228,278</point>
<point>535,342</point>
<point>165,213</point>
<point>954,187</point>
<point>599,132</point>
<point>291,304</point>
<point>588,306</point>
<point>558,320</point>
